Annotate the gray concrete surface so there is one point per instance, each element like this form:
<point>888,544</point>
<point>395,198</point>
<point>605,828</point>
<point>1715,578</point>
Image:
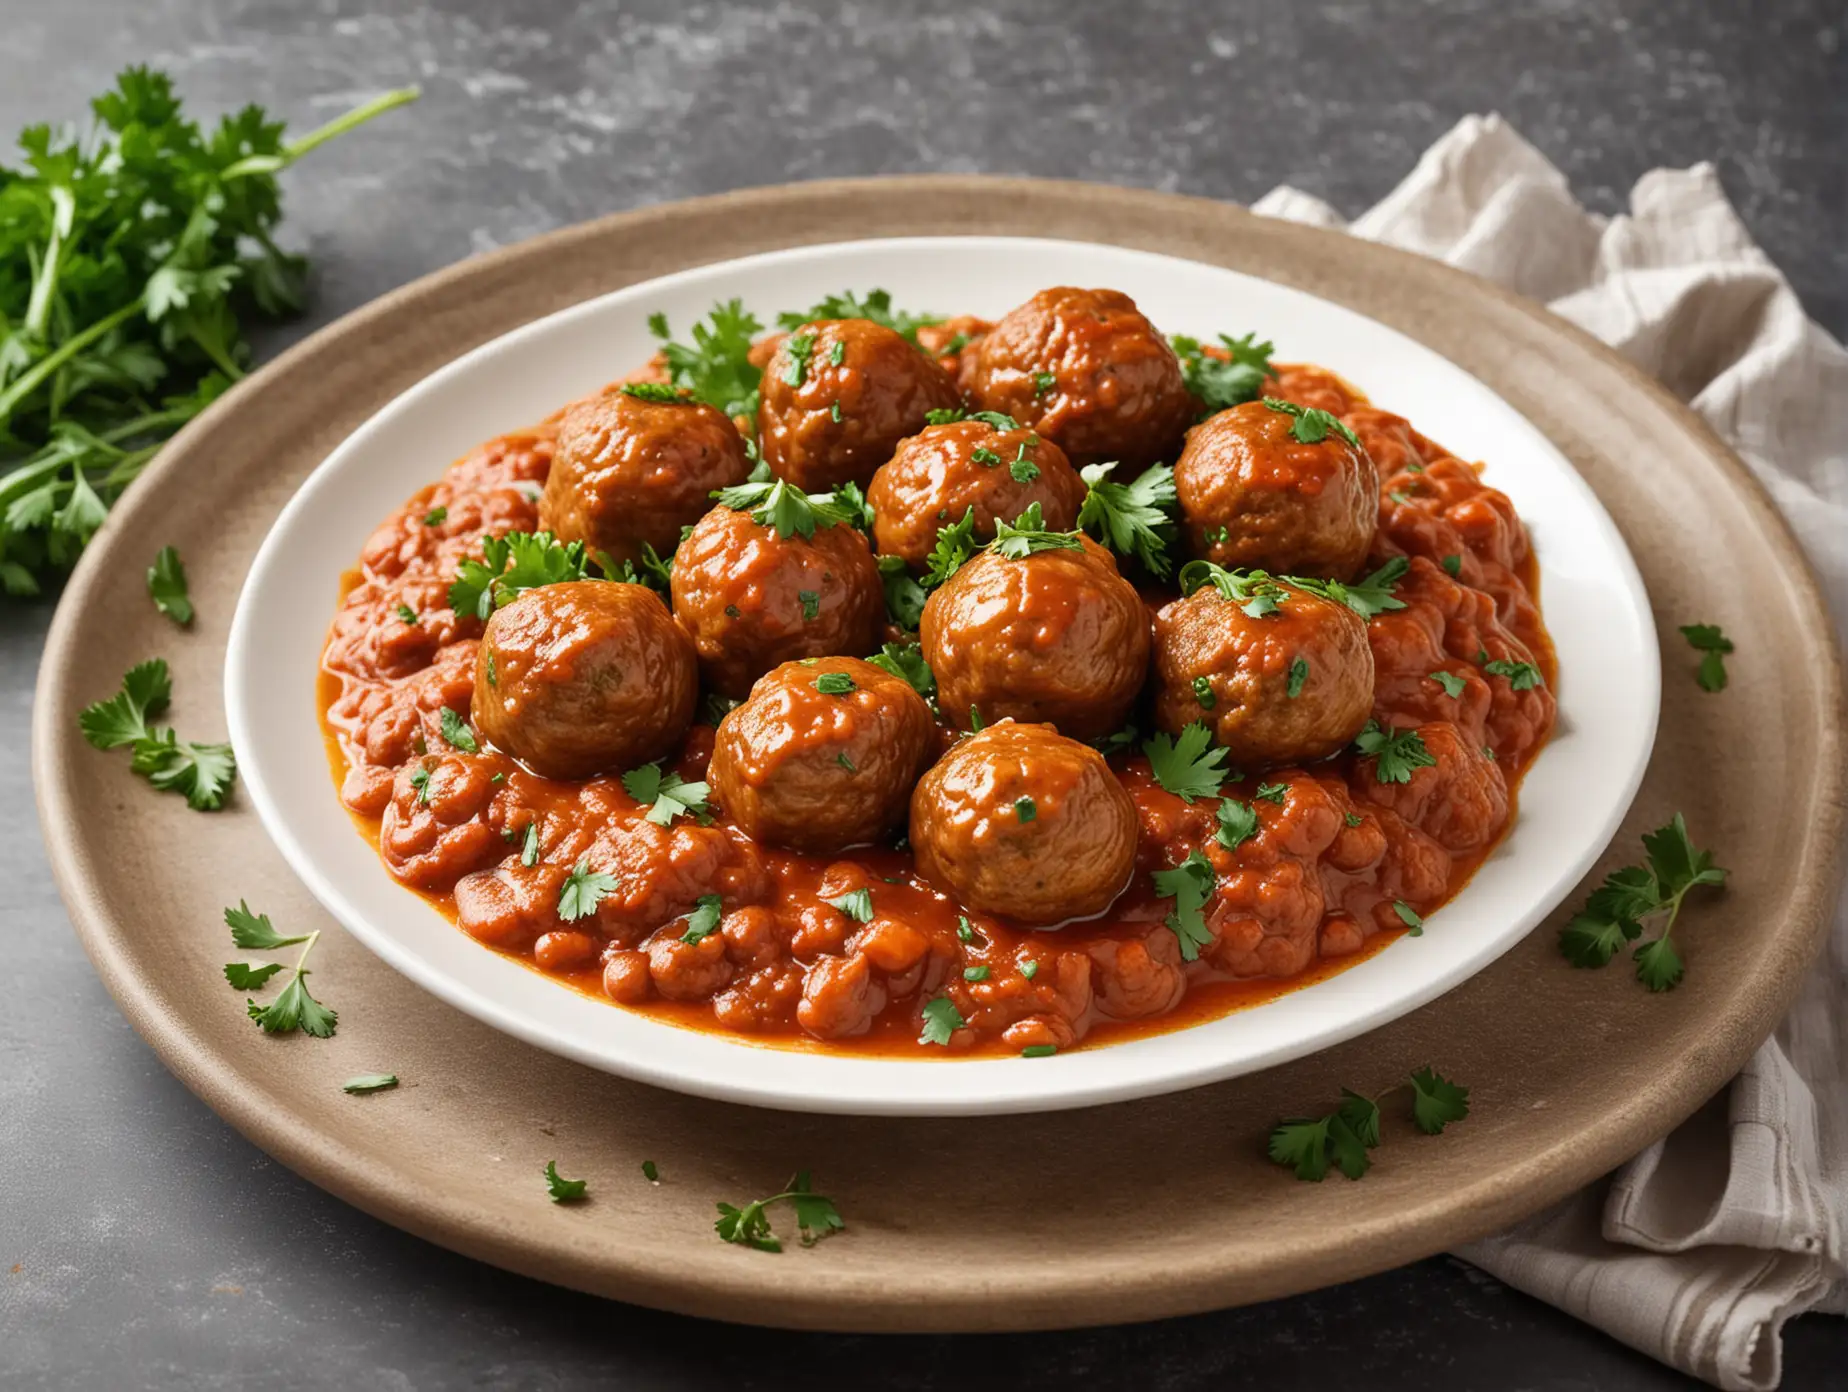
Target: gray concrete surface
<point>143,1244</point>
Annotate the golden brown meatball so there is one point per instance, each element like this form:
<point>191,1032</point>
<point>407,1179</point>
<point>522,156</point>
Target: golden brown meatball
<point>1293,685</point>
<point>1056,635</point>
<point>1279,490</point>
<point>1085,368</point>
<point>1020,821</point>
<point>752,597</point>
<point>823,755</point>
<point>634,469</point>
<point>990,465</point>
<point>577,678</point>
<point>838,396</point>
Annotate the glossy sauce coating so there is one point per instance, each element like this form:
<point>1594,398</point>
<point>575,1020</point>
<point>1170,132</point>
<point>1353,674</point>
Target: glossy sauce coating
<point>1314,888</point>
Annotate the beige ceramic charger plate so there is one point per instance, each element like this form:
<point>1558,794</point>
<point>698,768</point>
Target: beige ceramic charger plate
<point>1118,1213</point>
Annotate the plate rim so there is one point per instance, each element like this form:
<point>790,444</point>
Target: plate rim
<point>1382,1239</point>
<point>816,1082</point>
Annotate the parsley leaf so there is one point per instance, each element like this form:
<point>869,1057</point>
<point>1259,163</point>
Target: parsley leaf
<point>511,565</point>
<point>1396,754</point>
<point>295,1008</point>
<point>202,773</point>
<point>857,905</point>
<point>167,586</point>
<point>1132,519</point>
<point>875,305</point>
<point>1522,676</point>
<point>370,1082</point>
<point>529,847</point>
<point>582,891</point>
<point>749,1226</point>
<point>1370,595</point>
<point>717,367</point>
<point>704,919</point>
<point>1409,917</point>
<point>835,684</point>
<point>941,1020</point>
<point>798,348</point>
<point>906,661</point>
<point>1190,884</point>
<point>658,392</point>
<point>1436,1101</point>
<point>245,977</point>
<point>954,546</point>
<point>1254,591</point>
<point>457,733</point>
<point>1312,423</point>
<point>1272,792</point>
<point>1220,382</point>
<point>904,596</point>
<point>1189,767</point>
<point>1027,535</point>
<point>560,1189</point>
<point>785,508</point>
<point>1299,677</point>
<point>1022,469</point>
<point>1453,684</point>
<point>1238,823</point>
<point>253,931</point>
<point>1614,914</point>
<point>667,795</point>
<point>1713,646</point>
<point>146,690</point>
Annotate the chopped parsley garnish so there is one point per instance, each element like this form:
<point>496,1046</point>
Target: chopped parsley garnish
<point>975,719</point>
<point>975,973</point>
<point>954,546</point>
<point>667,795</point>
<point>965,930</point>
<point>1354,819</point>
<point>1238,823</point>
<point>1039,1051</point>
<point>558,1188</point>
<point>1203,693</point>
<point>529,849</point>
<point>875,305</point>
<point>294,1009</point>
<point>1396,753</point>
<point>1345,1135</point>
<point>717,368</point>
<point>1712,645</point>
<point>1190,885</point>
<point>420,780</point>
<point>1272,792</point>
<point>941,1020</point>
<point>704,919</point>
<point>1025,809</point>
<point>1399,497</point>
<point>798,348</point>
<point>1043,382</point>
<point>856,904</point>
<point>998,419</point>
<point>370,1082</point>
<point>457,733</point>
<point>510,566</point>
<point>436,516</point>
<point>1313,424</point>
<point>816,1217</point>
<point>1453,684</point>
<point>906,661</point>
<point>1299,677</point>
<point>1132,519</point>
<point>1191,766</point>
<point>846,763</point>
<point>167,586</point>
<point>836,356</point>
<point>835,684</point>
<point>1222,382</point>
<point>811,604</point>
<point>1453,566</point>
<point>785,508</point>
<point>1026,535</point>
<point>407,615</point>
<point>202,773</point>
<point>582,891</point>
<point>834,409</point>
<point>944,415</point>
<point>651,1172</point>
<point>984,456</point>
<point>1522,676</point>
<point>1029,969</point>
<point>1615,912</point>
<point>658,392</point>
<point>1022,469</point>
<point>1409,917</point>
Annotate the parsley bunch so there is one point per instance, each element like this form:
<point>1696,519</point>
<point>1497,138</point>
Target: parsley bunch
<point>1307,1144</point>
<point>132,256</point>
<point>816,1217</point>
<point>1615,912</point>
<point>203,773</point>
<point>716,368</point>
<point>1228,378</point>
<point>1134,518</point>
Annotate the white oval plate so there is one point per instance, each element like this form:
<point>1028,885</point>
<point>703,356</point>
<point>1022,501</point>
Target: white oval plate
<point>1570,805</point>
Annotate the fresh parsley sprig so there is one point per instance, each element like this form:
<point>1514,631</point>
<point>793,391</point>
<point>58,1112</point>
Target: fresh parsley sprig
<point>1257,592</point>
<point>134,255</point>
<point>1228,380</point>
<point>167,586</point>
<point>294,1009</point>
<point>511,565</point>
<point>1396,754</point>
<point>202,773</point>
<point>1026,535</point>
<point>716,368</point>
<point>749,1226</point>
<point>1190,884</point>
<point>1190,766</point>
<point>785,508</point>
<point>668,795</point>
<point>1346,1135</point>
<point>1371,594</point>
<point>1614,914</point>
<point>954,547</point>
<point>1313,425</point>
<point>1135,518</point>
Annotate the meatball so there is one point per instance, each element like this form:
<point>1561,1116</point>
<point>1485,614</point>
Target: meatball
<point>838,396</point>
<point>577,678</point>
<point>753,597</point>
<point>1085,368</point>
<point>823,755</point>
<point>632,470</point>
<point>990,465</point>
<point>1056,635</point>
<point>1020,821</point>
<point>1294,685</point>
<point>1255,492</point>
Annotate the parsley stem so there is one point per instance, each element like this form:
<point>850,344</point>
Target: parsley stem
<point>28,381</point>
<point>140,425</point>
<point>320,135</point>
<point>217,354</point>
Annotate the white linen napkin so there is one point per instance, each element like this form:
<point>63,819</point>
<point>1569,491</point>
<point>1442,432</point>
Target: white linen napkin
<point>1699,1249</point>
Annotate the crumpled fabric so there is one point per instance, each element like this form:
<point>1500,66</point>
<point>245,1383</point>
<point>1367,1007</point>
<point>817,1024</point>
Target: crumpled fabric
<point>1698,1250</point>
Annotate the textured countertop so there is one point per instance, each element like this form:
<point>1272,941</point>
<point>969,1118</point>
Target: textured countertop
<point>143,1243</point>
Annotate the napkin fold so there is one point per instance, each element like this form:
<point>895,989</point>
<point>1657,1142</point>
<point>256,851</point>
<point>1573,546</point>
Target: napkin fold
<point>1698,1250</point>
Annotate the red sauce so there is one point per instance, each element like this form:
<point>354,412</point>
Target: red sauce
<point>1314,891</point>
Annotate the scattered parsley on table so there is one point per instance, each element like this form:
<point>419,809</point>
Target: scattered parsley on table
<point>1713,646</point>
<point>749,1226</point>
<point>1308,1145</point>
<point>295,1008</point>
<point>562,1190</point>
<point>202,773</point>
<point>1616,910</point>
